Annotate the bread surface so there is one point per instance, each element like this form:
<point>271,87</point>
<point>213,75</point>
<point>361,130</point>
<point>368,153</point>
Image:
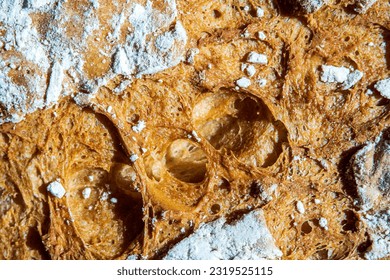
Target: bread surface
<point>189,144</point>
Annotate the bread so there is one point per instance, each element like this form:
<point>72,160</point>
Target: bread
<point>126,128</point>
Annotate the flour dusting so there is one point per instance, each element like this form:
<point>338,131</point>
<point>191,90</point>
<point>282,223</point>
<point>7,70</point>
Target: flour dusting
<point>246,239</point>
<point>148,49</point>
<point>383,86</point>
<point>39,66</point>
<point>379,230</point>
<point>371,172</point>
<point>361,6</point>
<point>340,75</point>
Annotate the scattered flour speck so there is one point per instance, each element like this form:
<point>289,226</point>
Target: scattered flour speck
<point>134,157</point>
<point>86,193</point>
<point>141,125</point>
<point>257,58</point>
<point>250,70</point>
<point>261,35</point>
<point>300,207</point>
<point>243,82</point>
<point>323,223</point>
<point>259,12</point>
<point>56,189</point>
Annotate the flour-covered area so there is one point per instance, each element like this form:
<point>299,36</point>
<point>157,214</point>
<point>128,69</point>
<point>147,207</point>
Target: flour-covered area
<point>45,48</point>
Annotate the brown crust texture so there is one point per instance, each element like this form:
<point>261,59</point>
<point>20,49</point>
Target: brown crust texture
<point>211,146</point>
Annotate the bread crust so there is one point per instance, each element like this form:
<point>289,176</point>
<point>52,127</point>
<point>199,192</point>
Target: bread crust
<point>163,153</point>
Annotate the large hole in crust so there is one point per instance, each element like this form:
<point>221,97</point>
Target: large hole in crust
<point>186,161</point>
<point>176,169</point>
<point>110,217</point>
<point>125,179</point>
<point>242,124</point>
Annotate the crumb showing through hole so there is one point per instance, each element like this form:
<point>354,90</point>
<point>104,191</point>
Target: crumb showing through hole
<point>186,161</point>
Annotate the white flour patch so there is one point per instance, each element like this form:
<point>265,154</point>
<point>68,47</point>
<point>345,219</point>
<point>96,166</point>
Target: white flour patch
<point>340,75</point>
<point>36,3</point>
<point>300,207</point>
<point>261,35</point>
<point>352,79</point>
<point>259,12</point>
<point>56,189</point>
<point>36,56</point>
<point>308,6</point>
<point>257,58</point>
<point>86,193</point>
<point>245,239</point>
<point>134,157</point>
<point>333,74</point>
<point>50,60</point>
<point>361,6</point>
<point>250,70</point>
<point>243,82</point>
<point>150,49</point>
<point>141,125</point>
<point>323,223</point>
<point>20,97</point>
<point>383,87</point>
<point>371,172</point>
<point>55,86</point>
<point>122,65</point>
<point>379,230</point>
